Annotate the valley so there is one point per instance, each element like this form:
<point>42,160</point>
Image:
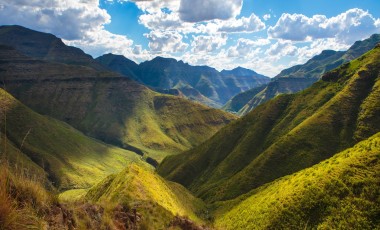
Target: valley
<point>107,143</point>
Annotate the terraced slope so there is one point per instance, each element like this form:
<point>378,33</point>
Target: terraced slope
<point>109,107</point>
<point>285,135</point>
<point>339,193</point>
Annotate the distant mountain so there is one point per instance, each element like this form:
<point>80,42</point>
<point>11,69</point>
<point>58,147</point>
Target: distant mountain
<point>120,64</point>
<point>107,106</point>
<point>199,83</point>
<point>45,46</point>
<point>300,77</point>
<point>287,134</point>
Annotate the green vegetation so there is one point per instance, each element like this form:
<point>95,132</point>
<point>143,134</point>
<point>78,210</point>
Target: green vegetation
<point>239,101</point>
<point>110,108</point>
<point>155,198</point>
<point>70,158</point>
<point>339,193</point>
<point>300,77</point>
<point>288,134</point>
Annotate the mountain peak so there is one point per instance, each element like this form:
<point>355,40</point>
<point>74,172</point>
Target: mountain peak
<point>163,59</point>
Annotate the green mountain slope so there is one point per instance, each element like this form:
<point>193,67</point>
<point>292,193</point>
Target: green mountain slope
<point>285,135</point>
<point>151,194</point>
<point>199,83</point>
<point>109,107</point>
<point>70,159</point>
<point>339,193</point>
<point>300,77</point>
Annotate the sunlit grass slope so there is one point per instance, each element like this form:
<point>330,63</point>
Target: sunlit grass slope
<point>285,135</point>
<point>157,199</point>
<point>342,192</point>
<point>71,159</point>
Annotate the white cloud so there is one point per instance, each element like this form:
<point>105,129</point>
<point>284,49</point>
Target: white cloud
<point>354,24</point>
<point>266,17</point>
<point>69,19</point>
<point>248,25</point>
<point>98,42</point>
<point>201,10</point>
<point>78,22</point>
<point>166,42</point>
<point>246,47</point>
<point>208,43</point>
<point>155,6</point>
<point>137,49</point>
<point>282,48</point>
<point>161,21</point>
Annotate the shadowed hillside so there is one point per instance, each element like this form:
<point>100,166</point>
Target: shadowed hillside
<point>109,107</point>
<point>69,158</point>
<point>45,47</point>
<point>285,135</point>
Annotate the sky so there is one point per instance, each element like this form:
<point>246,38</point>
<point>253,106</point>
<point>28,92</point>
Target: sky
<point>263,35</point>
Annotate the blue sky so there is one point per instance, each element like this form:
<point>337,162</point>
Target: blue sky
<point>264,35</point>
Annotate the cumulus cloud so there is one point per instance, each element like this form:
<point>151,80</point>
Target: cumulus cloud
<point>161,21</point>
<point>352,25</point>
<point>154,6</point>
<point>201,10</point>
<point>246,47</point>
<point>69,19</point>
<point>266,17</point>
<point>244,24</point>
<point>99,42</point>
<point>166,42</point>
<point>282,48</point>
<point>208,43</point>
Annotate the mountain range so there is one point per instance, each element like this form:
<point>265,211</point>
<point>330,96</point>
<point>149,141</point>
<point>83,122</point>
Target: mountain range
<point>299,77</point>
<point>87,146</point>
<point>285,135</point>
<point>198,83</point>
<point>103,104</point>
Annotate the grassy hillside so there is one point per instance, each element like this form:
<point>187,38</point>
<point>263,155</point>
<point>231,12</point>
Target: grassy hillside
<point>285,135</point>
<point>109,107</point>
<point>41,144</point>
<point>339,193</point>
<point>239,101</point>
<point>271,90</point>
<point>155,198</point>
<point>300,77</point>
